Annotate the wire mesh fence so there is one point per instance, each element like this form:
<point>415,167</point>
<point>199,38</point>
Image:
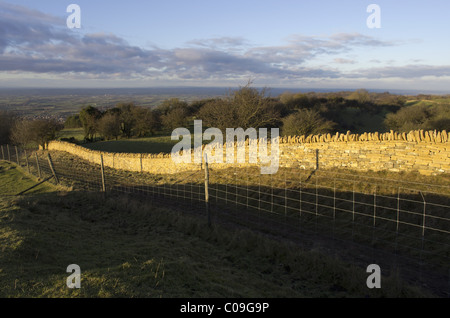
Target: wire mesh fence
<point>405,222</point>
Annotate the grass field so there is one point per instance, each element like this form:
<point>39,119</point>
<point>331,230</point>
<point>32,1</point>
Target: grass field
<point>161,143</point>
<point>130,248</point>
<point>14,181</point>
<point>157,144</point>
<point>76,133</point>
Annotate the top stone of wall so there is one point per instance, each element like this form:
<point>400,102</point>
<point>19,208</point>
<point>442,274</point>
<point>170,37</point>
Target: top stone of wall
<point>413,136</point>
<point>425,151</point>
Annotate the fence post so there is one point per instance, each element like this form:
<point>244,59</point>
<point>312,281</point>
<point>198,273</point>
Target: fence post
<point>9,153</point>
<point>26,160</point>
<point>271,193</point>
<point>38,166</point>
<point>374,206</point>
<point>236,187</point>
<point>398,210</point>
<point>300,203</point>
<point>334,200</point>
<point>247,190</point>
<point>206,190</point>
<point>103,174</point>
<point>52,168</point>
<point>259,193</point>
<point>353,203</point>
<point>317,159</point>
<point>3,153</point>
<point>424,215</point>
<point>317,198</point>
<point>17,156</point>
<point>285,196</point>
<point>423,232</point>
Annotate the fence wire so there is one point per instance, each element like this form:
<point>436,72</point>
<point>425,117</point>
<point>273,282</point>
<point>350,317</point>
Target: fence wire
<point>405,222</point>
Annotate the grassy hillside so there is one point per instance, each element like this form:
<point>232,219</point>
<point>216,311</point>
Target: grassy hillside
<point>128,248</point>
<point>13,181</point>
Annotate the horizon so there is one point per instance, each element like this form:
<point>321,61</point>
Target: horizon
<point>278,44</point>
<point>211,89</point>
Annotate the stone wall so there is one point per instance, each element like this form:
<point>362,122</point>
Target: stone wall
<point>427,152</point>
<point>160,163</point>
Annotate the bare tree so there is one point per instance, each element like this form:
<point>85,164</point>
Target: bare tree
<point>31,133</point>
<point>175,118</point>
<point>109,126</point>
<point>89,117</point>
<point>127,118</point>
<point>146,122</point>
<point>7,120</point>
<point>245,108</point>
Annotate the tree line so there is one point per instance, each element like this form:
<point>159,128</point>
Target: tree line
<point>245,107</point>
<point>248,107</point>
<point>27,132</point>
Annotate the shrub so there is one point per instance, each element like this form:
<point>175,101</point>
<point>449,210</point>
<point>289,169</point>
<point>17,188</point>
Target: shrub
<point>306,122</point>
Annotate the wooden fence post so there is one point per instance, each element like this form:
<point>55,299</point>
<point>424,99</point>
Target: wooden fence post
<point>38,166</point>
<point>317,159</point>
<point>3,153</point>
<point>9,153</point>
<point>52,168</point>
<point>26,160</point>
<point>207,190</point>
<point>17,156</point>
<point>103,173</point>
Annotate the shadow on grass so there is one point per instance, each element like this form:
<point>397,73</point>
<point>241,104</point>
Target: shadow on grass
<point>129,247</point>
<point>339,223</point>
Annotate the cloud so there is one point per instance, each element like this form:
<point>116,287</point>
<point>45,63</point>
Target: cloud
<point>230,43</point>
<point>344,61</point>
<point>406,72</point>
<point>20,26</point>
<point>34,42</point>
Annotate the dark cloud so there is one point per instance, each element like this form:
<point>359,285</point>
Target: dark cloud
<point>34,42</point>
<point>20,26</point>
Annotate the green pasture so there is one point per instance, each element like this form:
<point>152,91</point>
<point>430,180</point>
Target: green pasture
<point>158,144</point>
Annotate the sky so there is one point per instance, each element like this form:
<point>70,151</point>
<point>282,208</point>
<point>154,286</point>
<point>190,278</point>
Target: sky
<point>283,43</point>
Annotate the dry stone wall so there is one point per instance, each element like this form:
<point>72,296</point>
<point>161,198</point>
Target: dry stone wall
<point>153,163</point>
<point>427,152</point>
